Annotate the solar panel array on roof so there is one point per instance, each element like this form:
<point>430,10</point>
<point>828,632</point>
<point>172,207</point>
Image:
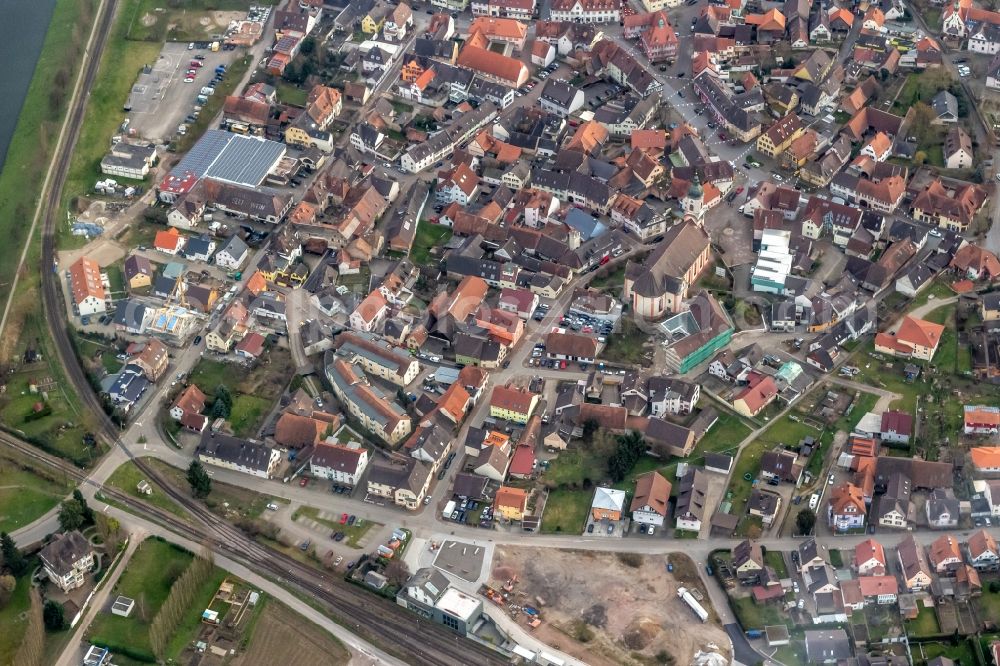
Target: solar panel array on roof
<point>232,158</point>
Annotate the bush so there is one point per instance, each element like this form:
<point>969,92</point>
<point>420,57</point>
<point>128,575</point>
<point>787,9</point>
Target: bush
<point>633,560</point>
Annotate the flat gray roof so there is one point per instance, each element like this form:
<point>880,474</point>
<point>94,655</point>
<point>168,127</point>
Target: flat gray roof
<point>461,559</point>
<point>232,158</point>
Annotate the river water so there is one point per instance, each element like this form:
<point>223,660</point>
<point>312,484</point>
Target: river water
<point>22,33</point>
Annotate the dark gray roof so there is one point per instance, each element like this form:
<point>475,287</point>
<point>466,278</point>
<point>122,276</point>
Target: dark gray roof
<point>64,551</point>
<point>130,313</point>
<point>234,450</point>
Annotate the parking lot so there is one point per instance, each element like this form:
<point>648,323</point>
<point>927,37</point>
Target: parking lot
<point>160,99</point>
<point>581,323</point>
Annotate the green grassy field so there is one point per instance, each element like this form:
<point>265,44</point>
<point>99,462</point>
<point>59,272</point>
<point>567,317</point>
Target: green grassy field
<point>61,431</point>
<point>566,511</point>
<point>626,345</point>
<point>291,94</point>
<point>248,413</point>
<point>428,236</point>
<point>147,578</point>
<point>13,620</point>
<point>127,477</point>
<point>25,496</point>
<point>926,623</point>
<point>253,391</point>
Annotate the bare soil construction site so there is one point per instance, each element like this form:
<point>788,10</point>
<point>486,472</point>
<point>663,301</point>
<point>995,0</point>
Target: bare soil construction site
<point>609,608</point>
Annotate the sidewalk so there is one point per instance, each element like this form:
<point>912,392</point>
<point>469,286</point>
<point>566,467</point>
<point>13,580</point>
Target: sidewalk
<point>525,639</point>
<point>71,653</point>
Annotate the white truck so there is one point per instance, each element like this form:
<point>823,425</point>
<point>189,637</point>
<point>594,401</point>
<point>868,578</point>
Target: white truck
<point>449,509</point>
<point>698,609</point>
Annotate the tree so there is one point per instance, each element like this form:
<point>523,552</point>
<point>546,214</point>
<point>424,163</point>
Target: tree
<point>396,572</point>
<point>590,426</point>
<point>12,557</point>
<point>88,513</point>
<point>223,405</point>
<point>630,447</point>
<point>70,515</point>
<point>308,46</point>
<point>805,521</point>
<point>7,585</point>
<point>54,616</point>
<point>201,482</point>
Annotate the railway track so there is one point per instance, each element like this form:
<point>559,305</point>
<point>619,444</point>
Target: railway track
<point>394,629</point>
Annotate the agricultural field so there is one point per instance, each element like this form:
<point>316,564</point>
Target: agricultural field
<point>279,636</point>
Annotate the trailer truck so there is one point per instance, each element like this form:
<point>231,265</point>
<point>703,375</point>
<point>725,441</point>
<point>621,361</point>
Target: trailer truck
<point>698,609</point>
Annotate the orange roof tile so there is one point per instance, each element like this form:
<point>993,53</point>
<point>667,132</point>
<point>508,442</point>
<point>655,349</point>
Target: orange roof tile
<point>167,240</point>
<point>515,498</point>
<point>985,457</point>
<point>85,280</point>
<point>493,64</point>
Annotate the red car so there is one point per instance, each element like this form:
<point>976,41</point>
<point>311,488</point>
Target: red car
<point>739,190</point>
<point>303,481</point>
<point>343,519</point>
<point>562,365</point>
<point>605,259</point>
<point>196,63</point>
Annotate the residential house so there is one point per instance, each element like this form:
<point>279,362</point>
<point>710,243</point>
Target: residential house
<point>827,646</point>
<point>87,287</point>
<point>915,571</point>
<point>138,271</point>
<point>237,454</point>
<point>747,561</point>
<point>764,505</point>
<point>67,559</point>
<point>752,400</point>
<point>233,254</point>
<point>810,556</point>
<point>981,420</point>
<point>847,508</point>
<point>869,558</point>
<point>779,466</point>
<point>669,395</point>
<point>510,504</point>
<point>915,338</point>
<point>895,509</point>
<point>942,509</point>
<point>983,552</point>
<point>561,98</point>
<point>944,555</point>
<point>337,463</point>
<point>404,483</point>
<point>608,504</point>
<point>366,403</point>
<point>370,313</point>
<point>512,403</point>
<point>585,11</point>
<point>691,498</point>
<point>650,503</point>
<point>958,152</point>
